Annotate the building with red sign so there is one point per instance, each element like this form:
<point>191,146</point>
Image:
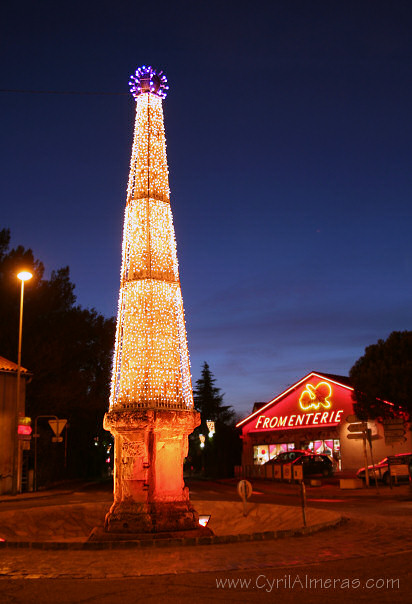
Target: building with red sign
<point>313,414</point>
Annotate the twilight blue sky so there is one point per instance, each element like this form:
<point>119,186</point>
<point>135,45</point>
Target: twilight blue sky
<point>289,137</point>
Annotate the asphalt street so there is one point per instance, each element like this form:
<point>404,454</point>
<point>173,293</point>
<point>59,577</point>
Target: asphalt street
<point>367,558</point>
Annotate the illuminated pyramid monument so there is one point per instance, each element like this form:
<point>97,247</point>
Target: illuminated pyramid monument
<point>151,409</point>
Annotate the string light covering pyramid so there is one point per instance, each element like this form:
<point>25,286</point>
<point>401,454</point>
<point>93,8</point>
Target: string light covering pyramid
<point>151,362</point>
<point>151,409</point>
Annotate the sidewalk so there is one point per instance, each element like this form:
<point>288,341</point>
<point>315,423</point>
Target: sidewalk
<point>70,524</point>
<point>61,489</point>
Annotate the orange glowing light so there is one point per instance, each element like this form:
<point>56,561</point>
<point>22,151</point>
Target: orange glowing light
<point>314,397</point>
<point>151,361</point>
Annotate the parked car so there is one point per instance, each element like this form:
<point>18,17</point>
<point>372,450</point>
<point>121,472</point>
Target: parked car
<point>382,469</point>
<point>288,456</point>
<point>316,464</point>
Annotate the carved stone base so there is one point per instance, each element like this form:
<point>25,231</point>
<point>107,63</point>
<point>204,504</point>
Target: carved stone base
<point>150,495</point>
<point>152,517</point>
<point>99,534</point>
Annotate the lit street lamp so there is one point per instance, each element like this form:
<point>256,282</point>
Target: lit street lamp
<point>23,276</point>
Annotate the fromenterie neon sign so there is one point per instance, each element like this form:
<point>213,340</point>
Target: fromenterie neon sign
<point>298,420</point>
<point>315,397</point>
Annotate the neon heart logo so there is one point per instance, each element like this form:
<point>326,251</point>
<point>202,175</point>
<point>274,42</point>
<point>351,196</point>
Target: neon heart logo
<point>314,397</point>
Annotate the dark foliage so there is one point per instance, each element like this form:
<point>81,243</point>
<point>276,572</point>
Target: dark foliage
<point>221,452</point>
<point>68,349</point>
<point>384,373</point>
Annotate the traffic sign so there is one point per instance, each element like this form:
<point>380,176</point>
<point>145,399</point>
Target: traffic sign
<point>395,433</point>
<point>244,489</point>
<point>360,427</point>
<point>394,420</point>
<point>356,436</point>
<point>394,427</point>
<point>24,421</point>
<point>394,439</point>
<point>57,426</point>
<point>351,419</point>
<point>57,439</point>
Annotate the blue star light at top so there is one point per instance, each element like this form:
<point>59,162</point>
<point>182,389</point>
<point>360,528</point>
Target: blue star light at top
<point>146,79</point>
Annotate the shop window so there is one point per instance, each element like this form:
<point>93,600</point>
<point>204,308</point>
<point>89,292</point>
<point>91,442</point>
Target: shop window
<point>329,447</point>
<point>277,448</point>
<point>263,453</point>
<point>260,454</point>
<point>318,446</point>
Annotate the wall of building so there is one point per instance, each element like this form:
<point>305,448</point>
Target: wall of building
<point>8,394</point>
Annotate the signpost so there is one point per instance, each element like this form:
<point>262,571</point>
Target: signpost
<point>394,430</point>
<point>57,426</point>
<point>244,489</point>
<point>359,427</point>
<point>358,431</point>
<point>397,467</point>
<point>303,501</point>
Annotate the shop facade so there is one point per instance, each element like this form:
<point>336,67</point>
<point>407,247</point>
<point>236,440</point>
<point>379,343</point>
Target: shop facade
<point>313,414</point>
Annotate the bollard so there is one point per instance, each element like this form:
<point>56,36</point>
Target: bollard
<point>303,501</point>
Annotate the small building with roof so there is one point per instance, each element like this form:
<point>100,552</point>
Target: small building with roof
<point>8,416</point>
<point>313,414</point>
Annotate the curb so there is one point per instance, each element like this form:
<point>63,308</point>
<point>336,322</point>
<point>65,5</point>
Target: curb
<point>172,542</point>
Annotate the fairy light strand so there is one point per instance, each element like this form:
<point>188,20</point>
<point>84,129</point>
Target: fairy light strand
<point>151,366</point>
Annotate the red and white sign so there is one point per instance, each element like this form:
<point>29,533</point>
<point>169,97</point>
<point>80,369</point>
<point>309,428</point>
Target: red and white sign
<point>314,401</point>
<point>299,420</point>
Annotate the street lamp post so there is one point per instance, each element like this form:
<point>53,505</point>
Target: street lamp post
<point>23,276</point>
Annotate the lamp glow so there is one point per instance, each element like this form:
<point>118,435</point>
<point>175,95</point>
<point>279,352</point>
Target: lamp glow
<point>24,275</point>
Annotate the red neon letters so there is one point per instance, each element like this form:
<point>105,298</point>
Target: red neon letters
<point>324,418</point>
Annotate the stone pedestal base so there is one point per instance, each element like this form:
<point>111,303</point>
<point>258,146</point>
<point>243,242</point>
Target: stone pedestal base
<point>99,534</point>
<point>152,517</point>
<point>149,492</point>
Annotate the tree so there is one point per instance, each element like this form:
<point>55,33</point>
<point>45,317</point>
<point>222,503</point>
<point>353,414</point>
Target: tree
<point>69,351</point>
<point>208,400</point>
<point>384,373</point>
<point>221,451</point>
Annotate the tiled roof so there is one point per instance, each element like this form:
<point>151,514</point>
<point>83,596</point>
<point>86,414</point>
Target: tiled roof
<point>6,365</point>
